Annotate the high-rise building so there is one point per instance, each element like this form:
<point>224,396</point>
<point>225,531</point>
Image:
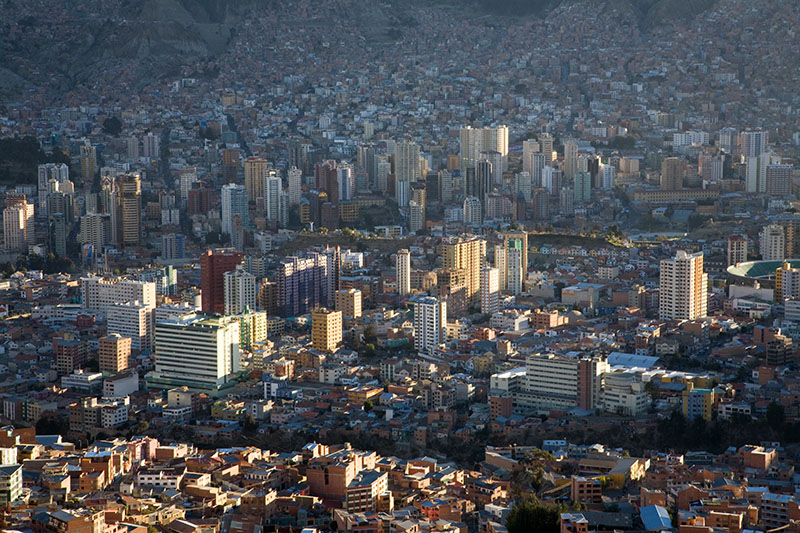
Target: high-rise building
<point>753,143</point>
<point>787,283</point>
<point>302,284</point>
<point>516,273</point>
<point>172,246</point>
<point>609,173</point>
<point>406,170</point>
<point>47,172</point>
<point>403,272</point>
<point>772,243</point>
<point>582,189</point>
<point>779,180</point>
<point>213,266</point>
<point>95,230</point>
<point>472,212</point>
<point>132,319</point>
<point>468,254</point>
<point>546,140</point>
<point>346,178</point>
<point>756,172</point>
<point>129,202</point>
<point>88,161</point>
<point>19,228</point>
<point>529,148</point>
<point>416,217</point>
<point>58,234</point>
<point>729,141</point>
<point>114,353</point>
<point>198,351</point>
<point>446,185</point>
<point>187,177</point>
<point>570,159</point>
<point>326,329</point>
<point>151,146</point>
<point>240,291</point>
<point>737,249</point>
<point>683,287</point>
<point>234,202</point>
<point>273,190</point>
<point>348,301</point>
<point>551,180</point>
<point>255,170</point>
<point>295,185</point>
<point>523,185</point>
<point>519,241</point>
<point>672,172</point>
<point>475,141</point>
<point>430,323</point>
<point>490,290</point>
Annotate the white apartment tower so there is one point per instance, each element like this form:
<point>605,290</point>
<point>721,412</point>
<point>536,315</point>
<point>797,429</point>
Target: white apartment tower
<point>772,242</point>
<point>240,291</point>
<point>430,323</point>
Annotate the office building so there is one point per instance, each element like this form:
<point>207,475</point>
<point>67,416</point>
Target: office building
<point>187,177</point>
<point>346,178</point>
<point>672,172</point>
<point>239,291</point>
<point>737,249</point>
<point>406,170</point>
<point>430,323</point>
<point>582,188</point>
<point>779,180</point>
<point>133,320</point>
<point>326,330</point>
<point>772,243</point>
<point>213,266</point>
<point>199,351</point>
<point>490,290</point>
<point>468,254</point>
<point>416,217</point>
<point>234,203</point>
<point>403,273</point>
<point>114,353</point>
<point>562,382</point>
<point>255,171</point>
<point>253,328</point>
<point>756,173</point>
<point>683,287</point>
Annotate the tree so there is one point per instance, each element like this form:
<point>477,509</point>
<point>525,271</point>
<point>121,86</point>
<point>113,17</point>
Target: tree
<point>368,405</point>
<point>250,423</point>
<point>112,126</point>
<point>531,516</point>
<point>775,415</point>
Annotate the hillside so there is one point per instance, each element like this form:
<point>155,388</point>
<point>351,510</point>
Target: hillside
<point>58,46</point>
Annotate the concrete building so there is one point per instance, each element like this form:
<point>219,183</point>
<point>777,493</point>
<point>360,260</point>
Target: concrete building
<point>114,353</point>
<point>98,294</point>
<point>468,254</point>
<point>239,291</point>
<point>403,272</point>
<point>326,330</point>
<point>430,320</point>
<point>213,266</point>
<point>683,287</point>
<point>772,243</point>
<point>490,290</point>
<point>737,249</point>
<point>199,351</point>
<point>348,301</point>
<point>133,320</point>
